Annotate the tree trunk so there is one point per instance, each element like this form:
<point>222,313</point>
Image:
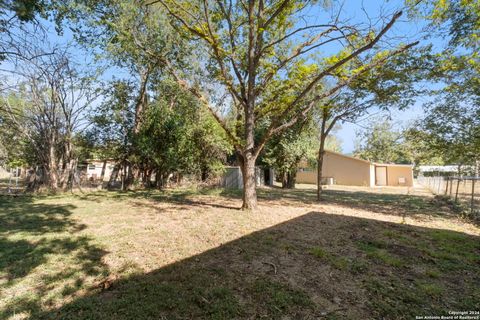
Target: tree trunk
<point>130,177</point>
<point>33,180</point>
<point>124,173</point>
<point>284,180</point>
<point>113,176</point>
<point>160,179</point>
<point>52,171</point>
<point>291,179</point>
<point>288,179</point>
<point>146,177</point>
<point>321,153</point>
<point>104,168</point>
<point>324,131</point>
<point>249,186</point>
<point>52,179</point>
<point>204,174</point>
<point>67,165</point>
<point>141,103</point>
<point>157,179</point>
<point>66,179</point>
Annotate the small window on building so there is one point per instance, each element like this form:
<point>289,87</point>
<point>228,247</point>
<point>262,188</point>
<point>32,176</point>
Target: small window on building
<point>91,167</point>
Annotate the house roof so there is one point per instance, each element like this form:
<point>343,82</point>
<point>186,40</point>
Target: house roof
<point>369,162</point>
<point>392,165</point>
<point>345,156</point>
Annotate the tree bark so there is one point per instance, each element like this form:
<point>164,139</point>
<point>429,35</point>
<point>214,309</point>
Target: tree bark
<point>124,174</point>
<point>114,176</point>
<point>324,132</point>
<point>249,186</point>
<point>284,180</point>
<point>161,179</point>
<point>142,100</point>
<point>130,178</point>
<point>291,179</point>
<point>52,170</point>
<point>288,179</point>
<point>204,174</point>
<point>104,168</point>
<point>68,162</point>
<point>248,159</point>
<point>321,153</point>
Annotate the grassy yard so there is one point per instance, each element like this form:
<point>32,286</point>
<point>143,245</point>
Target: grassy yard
<point>185,254</point>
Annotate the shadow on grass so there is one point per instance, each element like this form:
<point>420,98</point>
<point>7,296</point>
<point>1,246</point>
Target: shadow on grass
<point>23,214</point>
<point>315,266</point>
<point>386,203</point>
<point>179,197</point>
<point>403,205</point>
<point>41,237</point>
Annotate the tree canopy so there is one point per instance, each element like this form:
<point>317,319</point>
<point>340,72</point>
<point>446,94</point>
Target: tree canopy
<point>187,84</point>
<point>380,142</point>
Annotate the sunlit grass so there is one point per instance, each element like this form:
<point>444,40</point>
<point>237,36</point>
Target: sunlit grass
<point>192,254</point>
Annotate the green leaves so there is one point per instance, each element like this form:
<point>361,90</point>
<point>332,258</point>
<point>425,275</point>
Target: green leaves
<point>452,126</point>
<point>300,142</point>
<point>380,142</point>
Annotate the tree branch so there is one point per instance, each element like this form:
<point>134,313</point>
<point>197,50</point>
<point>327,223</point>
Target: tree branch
<point>275,127</point>
<point>343,61</point>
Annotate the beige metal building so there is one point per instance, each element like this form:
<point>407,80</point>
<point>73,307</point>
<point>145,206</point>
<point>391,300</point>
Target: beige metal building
<point>346,170</point>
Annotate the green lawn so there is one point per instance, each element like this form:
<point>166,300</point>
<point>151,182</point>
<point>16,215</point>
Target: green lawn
<point>193,255</point>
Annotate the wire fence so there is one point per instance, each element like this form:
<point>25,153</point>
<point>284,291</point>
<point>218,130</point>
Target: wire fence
<point>464,191</point>
<point>14,181</point>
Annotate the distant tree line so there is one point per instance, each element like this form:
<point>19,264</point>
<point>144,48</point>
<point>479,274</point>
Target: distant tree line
<point>190,84</point>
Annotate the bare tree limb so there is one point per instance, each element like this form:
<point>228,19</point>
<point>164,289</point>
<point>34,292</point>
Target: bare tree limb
<point>275,127</point>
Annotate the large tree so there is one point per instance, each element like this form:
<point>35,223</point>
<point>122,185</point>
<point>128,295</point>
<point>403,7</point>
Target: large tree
<point>451,129</point>
<point>135,41</point>
<point>381,141</point>
<point>450,125</point>
<point>259,53</point>
<point>177,135</point>
<point>390,86</point>
<point>284,152</point>
<point>45,104</point>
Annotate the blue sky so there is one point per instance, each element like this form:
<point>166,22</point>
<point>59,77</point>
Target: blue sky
<point>354,10</point>
<point>410,30</point>
<point>347,132</point>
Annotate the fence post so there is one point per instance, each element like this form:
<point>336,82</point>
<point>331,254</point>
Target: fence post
<point>9,180</point>
<point>446,189</point>
<point>473,193</point>
<point>456,193</point>
<point>451,183</point>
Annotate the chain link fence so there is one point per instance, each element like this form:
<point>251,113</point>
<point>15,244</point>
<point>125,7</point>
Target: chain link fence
<point>464,191</point>
<point>11,181</point>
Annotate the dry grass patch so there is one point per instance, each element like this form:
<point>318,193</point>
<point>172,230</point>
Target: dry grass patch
<point>192,254</point>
